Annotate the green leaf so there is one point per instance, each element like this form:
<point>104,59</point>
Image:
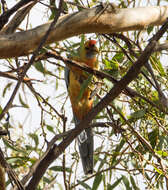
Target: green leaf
<point>117,151</point>
<point>22,102</point>
<point>50,128</point>
<point>111,67</point>
<point>35,138</point>
<point>106,63</point>
<point>6,88</point>
<point>71,51</point>
<point>102,162</point>
<point>111,187</point>
<point>97,181</point>
<point>39,66</point>
<point>161,140</point>
<point>138,114</point>
<point>118,57</point>
<point>65,7</point>
<point>84,86</point>
<point>96,156</point>
<point>118,148</point>
<point>82,43</point>
<point>85,185</point>
<point>52,9</point>
<point>14,147</point>
<point>150,29</point>
<point>161,153</point>
<point>29,148</point>
<point>159,171</point>
<point>60,95</point>
<point>126,183</point>
<point>78,7</point>
<point>18,160</point>
<point>153,137</point>
<point>1,109</point>
<point>157,65</point>
<point>60,169</point>
<point>46,179</point>
<point>133,183</point>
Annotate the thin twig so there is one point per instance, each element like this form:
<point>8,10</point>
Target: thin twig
<point>6,15</point>
<point>17,19</point>
<point>35,179</point>
<point>35,53</point>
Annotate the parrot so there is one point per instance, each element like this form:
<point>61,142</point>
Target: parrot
<point>75,78</point>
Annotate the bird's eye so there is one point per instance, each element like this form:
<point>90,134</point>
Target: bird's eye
<point>87,48</point>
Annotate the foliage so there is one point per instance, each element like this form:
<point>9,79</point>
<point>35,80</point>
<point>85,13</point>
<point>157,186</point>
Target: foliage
<point>41,107</point>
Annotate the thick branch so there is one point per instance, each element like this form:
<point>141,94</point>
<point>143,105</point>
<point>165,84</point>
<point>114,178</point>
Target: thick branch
<point>95,20</point>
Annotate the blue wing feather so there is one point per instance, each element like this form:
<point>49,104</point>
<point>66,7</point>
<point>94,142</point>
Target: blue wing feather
<point>66,76</point>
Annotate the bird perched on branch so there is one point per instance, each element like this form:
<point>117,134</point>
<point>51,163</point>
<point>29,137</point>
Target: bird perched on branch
<point>78,85</point>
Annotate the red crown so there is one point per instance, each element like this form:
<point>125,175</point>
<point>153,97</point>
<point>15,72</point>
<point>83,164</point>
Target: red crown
<point>92,42</point>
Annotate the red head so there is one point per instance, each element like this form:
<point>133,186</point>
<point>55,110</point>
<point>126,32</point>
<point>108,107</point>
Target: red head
<point>90,46</point>
<point>92,42</point>
<point>90,50</point>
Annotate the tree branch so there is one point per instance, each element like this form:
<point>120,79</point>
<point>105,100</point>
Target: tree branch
<point>93,20</point>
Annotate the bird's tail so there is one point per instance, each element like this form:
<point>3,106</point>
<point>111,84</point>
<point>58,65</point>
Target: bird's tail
<point>85,141</point>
